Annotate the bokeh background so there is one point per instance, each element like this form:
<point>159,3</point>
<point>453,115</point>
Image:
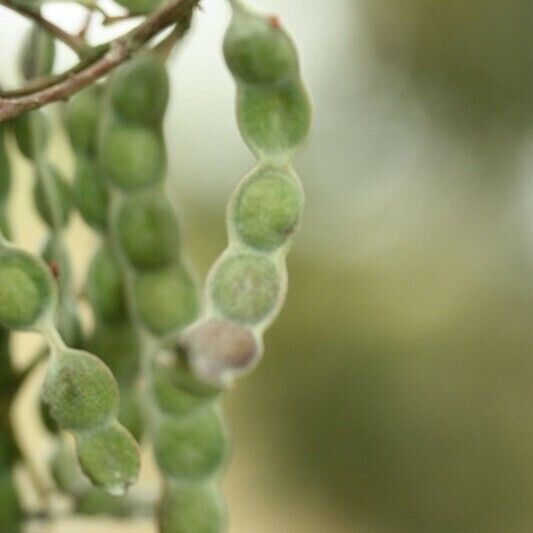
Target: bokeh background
<point>396,391</point>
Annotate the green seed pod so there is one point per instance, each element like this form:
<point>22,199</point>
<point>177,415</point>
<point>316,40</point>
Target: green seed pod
<point>80,391</point>
<point>97,502</point>
<point>69,325</point>
<point>193,508</point>
<point>118,345</point>
<point>267,209</point>
<point>38,54</point>
<point>166,299</point>
<point>31,133</point>
<point>257,50</point>
<point>274,123</point>
<point>148,231</point>
<point>133,157</point>
<point>66,471</point>
<point>52,196</point>
<point>140,90</point>
<point>5,168</point>
<point>173,399</point>
<point>105,287</point>
<point>192,448</point>
<point>109,456</point>
<point>47,419</point>
<point>140,7</point>
<point>26,289</point>
<point>130,415</point>
<point>82,117</point>
<point>245,288</point>
<point>90,194</point>
<point>54,252</point>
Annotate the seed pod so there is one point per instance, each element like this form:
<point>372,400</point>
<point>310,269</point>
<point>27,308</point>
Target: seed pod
<point>66,471</point>
<point>109,457</point>
<point>105,287</point>
<point>267,209</point>
<point>118,345</point>
<point>139,7</point>
<point>257,50</point>
<point>192,509</point>
<point>165,300</point>
<point>148,231</point>
<point>5,169</point>
<point>90,194</point>
<point>133,157</point>
<point>80,391</point>
<point>174,399</point>
<point>219,350</point>
<point>38,54</point>
<point>274,123</point>
<point>82,117</point>
<point>140,90</point>
<point>129,414</point>
<point>245,288</point>
<point>26,289</point>
<point>52,196</point>
<point>31,133</point>
<point>192,448</point>
<point>96,502</point>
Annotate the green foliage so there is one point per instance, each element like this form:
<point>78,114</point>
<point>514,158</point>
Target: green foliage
<point>245,287</point>
<point>109,457</point>
<point>26,291</point>
<point>191,448</point>
<point>192,509</point>
<point>166,299</point>
<point>148,231</point>
<point>80,390</point>
<point>267,209</point>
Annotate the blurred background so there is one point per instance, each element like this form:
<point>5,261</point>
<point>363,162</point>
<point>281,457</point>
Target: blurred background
<point>396,390</point>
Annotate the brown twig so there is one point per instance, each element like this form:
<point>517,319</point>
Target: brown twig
<point>74,42</point>
<point>104,59</point>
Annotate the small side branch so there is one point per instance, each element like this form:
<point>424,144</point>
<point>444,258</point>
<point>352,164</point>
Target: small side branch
<point>74,42</point>
<point>104,60</point>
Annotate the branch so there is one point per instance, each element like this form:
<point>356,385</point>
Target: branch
<point>104,60</point>
<point>74,42</point>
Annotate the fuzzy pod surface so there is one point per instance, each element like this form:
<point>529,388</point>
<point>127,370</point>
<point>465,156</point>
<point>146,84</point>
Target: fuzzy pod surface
<point>247,285</point>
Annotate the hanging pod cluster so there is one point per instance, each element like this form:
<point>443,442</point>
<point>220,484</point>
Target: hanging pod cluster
<point>247,285</point>
<point>113,339</point>
<point>11,513</point>
<point>52,195</point>
<point>189,437</point>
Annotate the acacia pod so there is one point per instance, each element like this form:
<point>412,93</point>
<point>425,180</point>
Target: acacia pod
<point>192,448</point>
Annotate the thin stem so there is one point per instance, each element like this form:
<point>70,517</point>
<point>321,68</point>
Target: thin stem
<point>74,42</point>
<point>104,60</point>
